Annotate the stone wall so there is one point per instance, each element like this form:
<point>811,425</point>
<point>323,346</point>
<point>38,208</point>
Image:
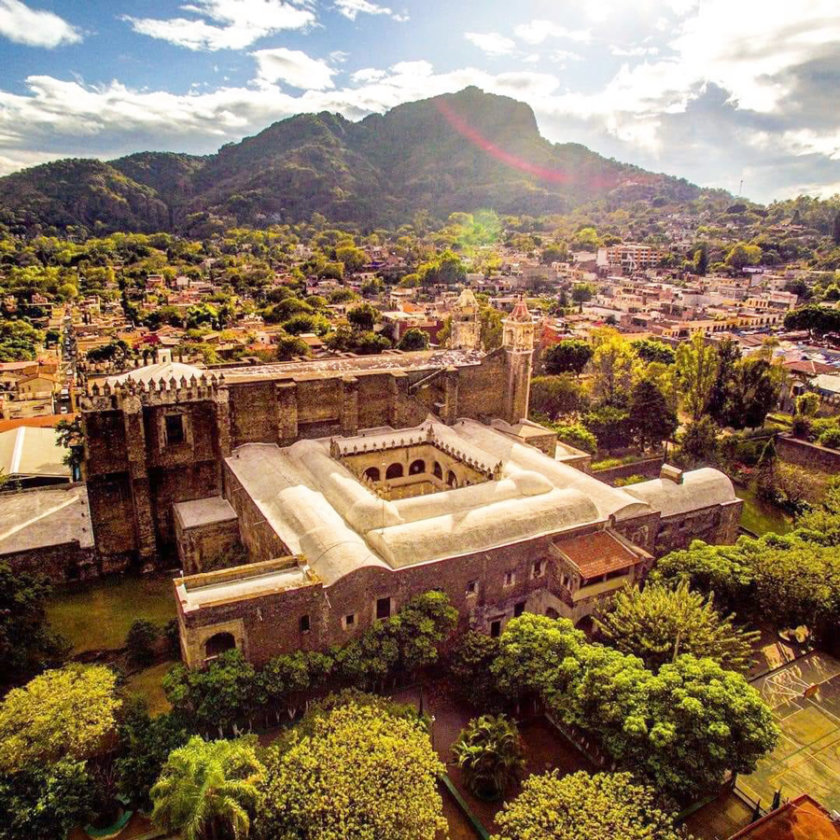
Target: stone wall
<point>648,467</point>
<point>717,525</point>
<point>804,454</point>
<point>65,563</point>
<point>271,623</point>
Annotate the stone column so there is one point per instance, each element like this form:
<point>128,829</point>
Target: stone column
<point>141,496</point>
<point>398,399</point>
<point>287,412</point>
<point>221,421</point>
<point>450,404</point>
<point>349,406</point>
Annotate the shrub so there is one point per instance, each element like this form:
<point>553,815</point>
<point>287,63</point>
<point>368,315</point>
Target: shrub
<point>574,434</point>
<point>140,642</point>
<point>489,751</point>
<point>830,438</point>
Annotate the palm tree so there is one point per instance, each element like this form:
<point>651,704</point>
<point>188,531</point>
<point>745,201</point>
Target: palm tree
<point>208,789</point>
<point>489,751</point>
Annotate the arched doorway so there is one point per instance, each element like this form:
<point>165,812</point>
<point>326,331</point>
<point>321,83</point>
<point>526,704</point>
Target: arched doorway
<point>372,473</point>
<point>438,471</point>
<point>451,480</point>
<point>551,613</point>
<point>394,471</point>
<point>218,644</point>
<point>417,467</point>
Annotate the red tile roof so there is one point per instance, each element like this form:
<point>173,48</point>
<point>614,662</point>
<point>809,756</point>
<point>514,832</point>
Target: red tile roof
<point>520,311</point>
<point>802,818</point>
<point>597,554</point>
<point>809,367</point>
<point>35,422</point>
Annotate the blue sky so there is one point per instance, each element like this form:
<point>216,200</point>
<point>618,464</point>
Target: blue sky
<point>714,91</point>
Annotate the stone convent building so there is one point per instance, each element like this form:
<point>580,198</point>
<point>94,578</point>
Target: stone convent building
<point>350,485</point>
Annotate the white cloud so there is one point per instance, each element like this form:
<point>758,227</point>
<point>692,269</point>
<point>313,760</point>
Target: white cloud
<point>35,27</point>
<point>368,74</point>
<point>294,67</point>
<point>351,9</point>
<point>491,42</point>
<point>236,24</point>
<point>537,31</point>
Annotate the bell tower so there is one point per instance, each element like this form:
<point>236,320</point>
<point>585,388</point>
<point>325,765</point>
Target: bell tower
<point>518,344</point>
<point>466,327</point>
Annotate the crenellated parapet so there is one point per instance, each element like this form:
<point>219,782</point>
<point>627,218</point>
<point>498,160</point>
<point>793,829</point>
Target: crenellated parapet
<point>160,392</point>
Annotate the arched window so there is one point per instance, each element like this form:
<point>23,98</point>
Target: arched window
<point>438,471</point>
<point>394,471</point>
<point>417,467</point>
<point>372,473</point>
<point>218,644</point>
<point>451,480</point>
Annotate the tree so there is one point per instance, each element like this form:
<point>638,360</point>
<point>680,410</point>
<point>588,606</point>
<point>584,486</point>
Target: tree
<point>614,366</point>
<point>697,365</point>
<point>209,789</point>
<point>650,417</point>
<point>414,339</point>
<point>290,346</point>
<point>741,255</point>
<point>720,399</point>
<point>537,655</point>
<point>581,293</point>
<point>144,746</point>
<point>490,752</point>
<point>69,435</point>
<point>362,317</point>
<point>658,623</point>
<point>604,806</point>
<point>140,642</point>
<point>611,427</point>
<point>215,697</point>
<point>651,350</point>
<point>469,665</point>
<point>70,712</point>
<point>569,356</point>
<point>553,395</point>
<point>26,643</point>
<point>45,802</point>
<point>701,260</point>
<point>698,443</point>
<point>390,794</point>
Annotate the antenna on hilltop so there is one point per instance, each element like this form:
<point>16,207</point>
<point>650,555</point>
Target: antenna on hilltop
<point>741,187</point>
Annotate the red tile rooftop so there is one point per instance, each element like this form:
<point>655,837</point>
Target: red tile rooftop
<point>802,818</point>
<point>597,554</point>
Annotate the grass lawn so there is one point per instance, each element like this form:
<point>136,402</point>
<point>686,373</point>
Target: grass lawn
<point>761,517</point>
<point>97,615</point>
<point>148,684</point>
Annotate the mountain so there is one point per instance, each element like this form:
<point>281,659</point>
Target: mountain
<point>459,151</point>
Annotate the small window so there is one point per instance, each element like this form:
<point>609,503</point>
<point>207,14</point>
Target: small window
<point>510,578</point>
<point>519,609</point>
<point>304,624</point>
<point>349,621</point>
<point>538,568</point>
<point>383,608</point>
<point>495,629</point>
<point>472,587</point>
<point>174,429</point>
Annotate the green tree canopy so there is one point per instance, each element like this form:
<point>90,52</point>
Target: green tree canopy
<point>26,642</point>
<point>209,789</point>
<point>70,712</point>
<point>414,339</point>
<point>604,806</point>
<point>658,623</point>
<point>697,365</point>
<point>354,772</point>
<point>570,356</point>
<point>490,752</point>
